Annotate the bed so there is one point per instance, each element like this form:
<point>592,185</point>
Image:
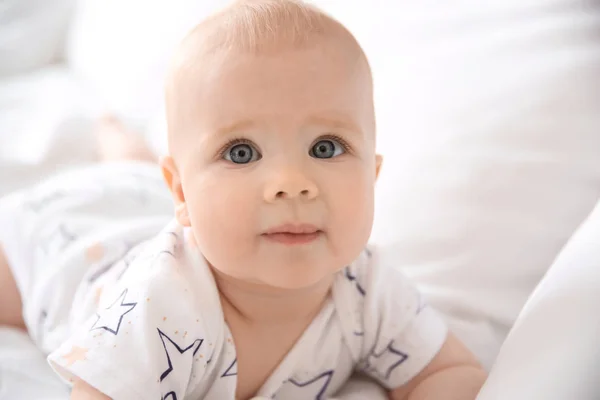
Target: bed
<point>488,115</point>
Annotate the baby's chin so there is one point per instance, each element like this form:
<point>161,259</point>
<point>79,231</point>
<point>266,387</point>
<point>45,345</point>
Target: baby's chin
<point>278,279</point>
<point>295,283</point>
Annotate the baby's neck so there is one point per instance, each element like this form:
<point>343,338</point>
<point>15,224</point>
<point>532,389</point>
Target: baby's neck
<point>263,305</point>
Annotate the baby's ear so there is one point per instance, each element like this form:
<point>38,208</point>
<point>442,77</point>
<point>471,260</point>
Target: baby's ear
<point>378,162</point>
<point>173,181</point>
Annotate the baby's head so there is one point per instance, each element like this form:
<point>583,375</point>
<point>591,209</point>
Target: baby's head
<point>272,142</point>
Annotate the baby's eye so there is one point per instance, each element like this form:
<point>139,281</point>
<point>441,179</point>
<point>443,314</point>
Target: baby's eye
<point>241,153</point>
<point>327,148</point>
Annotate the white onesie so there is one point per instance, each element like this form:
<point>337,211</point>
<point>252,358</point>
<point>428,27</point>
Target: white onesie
<point>149,325</point>
<point>160,332</point>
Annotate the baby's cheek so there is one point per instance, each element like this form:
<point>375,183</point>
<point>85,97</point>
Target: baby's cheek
<point>223,215</point>
<point>354,215</point>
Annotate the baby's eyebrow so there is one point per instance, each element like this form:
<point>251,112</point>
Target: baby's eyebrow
<point>335,122</point>
<point>245,124</point>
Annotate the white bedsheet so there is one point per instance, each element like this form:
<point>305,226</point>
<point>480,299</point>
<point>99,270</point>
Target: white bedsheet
<point>24,373</point>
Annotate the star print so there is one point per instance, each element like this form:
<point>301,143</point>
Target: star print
<point>76,354</point>
<point>101,271</point>
<point>57,239</point>
<point>170,396</point>
<point>130,256</point>
<point>388,356</point>
<point>106,266</point>
<point>110,319</point>
<point>172,234</point>
<point>45,200</point>
<point>231,370</point>
<point>169,345</point>
<point>352,278</point>
<point>41,322</point>
<point>320,383</point>
<point>168,252</point>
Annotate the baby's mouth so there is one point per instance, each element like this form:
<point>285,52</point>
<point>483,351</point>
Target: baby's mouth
<point>293,234</point>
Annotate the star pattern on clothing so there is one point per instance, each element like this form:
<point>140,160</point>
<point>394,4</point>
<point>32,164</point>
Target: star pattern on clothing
<point>175,353</point>
<point>132,254</point>
<point>110,318</point>
<point>57,239</point>
<point>170,249</point>
<point>383,363</point>
<point>104,268</point>
<point>42,319</point>
<point>231,370</point>
<point>166,252</point>
<point>315,387</point>
<point>171,233</point>
<point>352,278</point>
<point>112,262</point>
<point>36,204</point>
<point>170,396</point>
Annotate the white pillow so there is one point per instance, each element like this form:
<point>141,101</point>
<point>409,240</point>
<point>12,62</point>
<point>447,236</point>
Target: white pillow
<point>490,130</point>
<point>553,350</point>
<point>32,33</point>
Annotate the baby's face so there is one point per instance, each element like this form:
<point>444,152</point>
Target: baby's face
<point>278,164</point>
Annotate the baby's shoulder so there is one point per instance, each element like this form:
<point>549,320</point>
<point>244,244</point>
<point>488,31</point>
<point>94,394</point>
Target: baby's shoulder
<point>374,269</point>
<point>374,284</point>
<point>154,321</point>
<point>166,276</point>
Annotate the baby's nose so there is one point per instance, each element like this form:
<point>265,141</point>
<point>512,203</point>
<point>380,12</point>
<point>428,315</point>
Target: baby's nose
<point>291,185</point>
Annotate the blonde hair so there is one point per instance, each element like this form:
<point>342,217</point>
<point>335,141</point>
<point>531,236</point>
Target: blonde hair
<point>259,26</point>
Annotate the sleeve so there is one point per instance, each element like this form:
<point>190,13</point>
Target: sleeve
<point>145,342</point>
<point>402,333</point>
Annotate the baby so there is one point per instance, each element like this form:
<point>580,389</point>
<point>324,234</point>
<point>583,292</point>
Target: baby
<point>263,285</point>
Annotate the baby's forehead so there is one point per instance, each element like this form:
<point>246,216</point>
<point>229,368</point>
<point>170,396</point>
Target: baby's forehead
<point>251,29</point>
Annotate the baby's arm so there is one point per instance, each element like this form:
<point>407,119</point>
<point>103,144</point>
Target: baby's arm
<point>407,346</point>
<point>83,391</point>
<point>147,338</point>
<point>453,374</point>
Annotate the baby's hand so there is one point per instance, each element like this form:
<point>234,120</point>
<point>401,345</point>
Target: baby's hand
<point>454,374</point>
<point>83,391</point>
